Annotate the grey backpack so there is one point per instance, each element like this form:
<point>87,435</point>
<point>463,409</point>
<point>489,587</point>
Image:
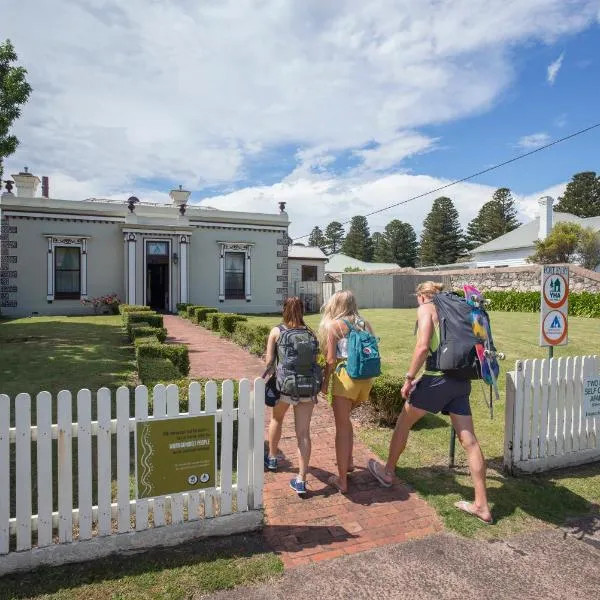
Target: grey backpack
<point>298,372</point>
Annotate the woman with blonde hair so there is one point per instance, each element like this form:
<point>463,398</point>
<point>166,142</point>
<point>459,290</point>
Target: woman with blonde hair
<point>339,315</point>
<point>433,392</point>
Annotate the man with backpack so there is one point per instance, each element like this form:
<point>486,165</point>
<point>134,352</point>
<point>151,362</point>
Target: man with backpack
<point>444,386</point>
<point>293,349</point>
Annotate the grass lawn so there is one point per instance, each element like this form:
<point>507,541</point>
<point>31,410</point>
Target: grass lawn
<point>56,353</point>
<point>518,503</point>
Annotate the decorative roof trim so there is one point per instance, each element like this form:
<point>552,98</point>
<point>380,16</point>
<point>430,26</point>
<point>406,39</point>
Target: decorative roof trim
<point>60,216</point>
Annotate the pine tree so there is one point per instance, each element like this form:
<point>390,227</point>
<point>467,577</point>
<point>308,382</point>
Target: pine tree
<point>582,196</point>
<point>495,218</point>
<point>358,241</point>
<point>316,238</point>
<point>334,237</point>
<point>442,238</point>
<point>402,243</point>
<point>381,248</point>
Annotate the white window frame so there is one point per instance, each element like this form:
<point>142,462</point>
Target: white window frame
<point>149,240</point>
<point>71,241</point>
<point>246,248</point>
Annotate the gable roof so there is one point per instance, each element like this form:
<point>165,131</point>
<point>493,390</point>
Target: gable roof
<point>526,235</point>
<point>338,263</point>
<point>306,252</point>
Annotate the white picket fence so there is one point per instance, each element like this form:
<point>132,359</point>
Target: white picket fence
<point>545,425</point>
<point>74,533</point>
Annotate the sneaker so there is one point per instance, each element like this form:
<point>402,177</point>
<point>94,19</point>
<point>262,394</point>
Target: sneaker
<point>298,486</point>
<point>271,463</point>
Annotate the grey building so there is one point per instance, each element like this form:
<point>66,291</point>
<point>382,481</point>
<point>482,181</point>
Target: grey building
<point>54,254</point>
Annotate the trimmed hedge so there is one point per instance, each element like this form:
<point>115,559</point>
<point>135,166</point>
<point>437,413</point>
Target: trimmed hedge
<point>191,311</point>
<point>182,308</point>
<point>125,308</point>
<point>213,321</point>
<point>251,336</point>
<point>148,317</point>
<point>201,315</point>
<point>153,370</point>
<point>176,353</point>
<point>228,322</point>
<point>386,400</point>
<point>137,330</point>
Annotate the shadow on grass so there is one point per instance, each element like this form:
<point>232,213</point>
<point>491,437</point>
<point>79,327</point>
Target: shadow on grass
<point>213,558</point>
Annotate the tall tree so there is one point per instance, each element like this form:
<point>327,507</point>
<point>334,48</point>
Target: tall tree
<point>588,248</point>
<point>334,237</point>
<point>582,196</point>
<point>402,243</point>
<point>442,239</point>
<point>495,218</point>
<point>358,241</point>
<point>316,238</point>
<point>381,248</point>
<point>14,92</point>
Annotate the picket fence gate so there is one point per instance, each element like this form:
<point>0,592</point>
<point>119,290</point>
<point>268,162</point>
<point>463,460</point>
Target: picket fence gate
<point>75,533</point>
<point>545,424</point>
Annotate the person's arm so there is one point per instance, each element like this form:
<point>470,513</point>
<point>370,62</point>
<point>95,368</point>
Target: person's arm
<point>424,333</point>
<point>271,353</point>
<point>331,355</point>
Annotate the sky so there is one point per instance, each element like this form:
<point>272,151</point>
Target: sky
<point>338,108</point>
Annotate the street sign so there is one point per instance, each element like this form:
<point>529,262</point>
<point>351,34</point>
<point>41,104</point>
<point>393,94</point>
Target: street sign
<point>175,455</point>
<point>554,321</point>
<point>591,396</point>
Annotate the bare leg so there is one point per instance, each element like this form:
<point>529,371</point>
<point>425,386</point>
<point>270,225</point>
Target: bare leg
<point>275,425</point>
<point>406,419</point>
<point>302,416</point>
<point>343,439</point>
<point>466,435</point>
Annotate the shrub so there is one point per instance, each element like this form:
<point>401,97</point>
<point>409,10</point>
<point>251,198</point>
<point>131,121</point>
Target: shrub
<point>191,311</point>
<point>213,321</point>
<point>125,308</point>
<point>251,336</point>
<point>148,317</point>
<point>386,399</point>
<point>228,322</point>
<point>137,330</point>
<point>201,315</point>
<point>182,308</point>
<point>584,304</point>
<point>155,369</point>
<point>145,340</point>
<point>176,353</point>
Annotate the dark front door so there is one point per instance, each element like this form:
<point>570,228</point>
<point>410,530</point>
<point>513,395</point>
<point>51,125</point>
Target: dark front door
<point>157,286</point>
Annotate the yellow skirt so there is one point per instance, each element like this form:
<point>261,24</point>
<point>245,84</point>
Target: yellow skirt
<point>357,390</point>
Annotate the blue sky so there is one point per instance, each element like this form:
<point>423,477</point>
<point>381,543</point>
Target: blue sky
<point>337,108</point>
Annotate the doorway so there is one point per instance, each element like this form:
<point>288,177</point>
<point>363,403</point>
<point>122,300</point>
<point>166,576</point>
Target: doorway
<point>157,275</point>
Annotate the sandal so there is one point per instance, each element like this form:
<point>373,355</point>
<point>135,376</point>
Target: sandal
<point>374,470</point>
<point>468,508</point>
<point>334,481</point>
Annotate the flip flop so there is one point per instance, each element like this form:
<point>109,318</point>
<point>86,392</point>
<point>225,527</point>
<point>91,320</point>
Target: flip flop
<point>333,482</point>
<point>466,507</point>
<point>372,465</point>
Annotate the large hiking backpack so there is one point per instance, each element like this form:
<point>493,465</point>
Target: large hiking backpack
<point>456,355</point>
<point>298,373</point>
<point>363,360</point>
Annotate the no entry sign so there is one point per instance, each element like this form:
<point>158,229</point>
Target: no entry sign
<point>554,323</point>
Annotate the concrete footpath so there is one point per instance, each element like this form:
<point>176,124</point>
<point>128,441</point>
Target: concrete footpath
<point>550,564</point>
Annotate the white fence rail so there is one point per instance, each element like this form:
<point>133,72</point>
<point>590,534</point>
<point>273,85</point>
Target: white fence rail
<point>97,458</point>
<point>545,424</point>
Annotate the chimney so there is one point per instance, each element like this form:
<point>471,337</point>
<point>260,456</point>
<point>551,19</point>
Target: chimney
<point>179,196</point>
<point>45,187</point>
<point>546,216</point>
<point>27,184</point>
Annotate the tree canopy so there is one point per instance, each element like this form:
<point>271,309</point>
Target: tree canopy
<point>442,239</point>
<point>582,196</point>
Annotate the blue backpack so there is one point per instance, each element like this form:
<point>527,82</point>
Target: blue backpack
<point>363,360</point>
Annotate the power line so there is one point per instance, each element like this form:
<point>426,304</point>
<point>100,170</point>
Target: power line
<point>457,181</point>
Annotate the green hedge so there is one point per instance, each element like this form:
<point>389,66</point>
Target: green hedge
<point>581,304</point>
<point>125,308</point>
<point>202,313</point>
<point>182,308</point>
<point>137,330</point>
<point>228,322</point>
<point>386,400</point>
<point>251,336</point>
<point>148,317</point>
<point>213,321</point>
<point>191,311</point>
<point>154,369</point>
<point>176,353</point>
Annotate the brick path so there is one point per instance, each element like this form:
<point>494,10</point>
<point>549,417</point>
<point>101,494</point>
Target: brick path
<point>325,524</point>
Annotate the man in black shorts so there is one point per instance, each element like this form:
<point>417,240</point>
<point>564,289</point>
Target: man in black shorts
<point>435,392</point>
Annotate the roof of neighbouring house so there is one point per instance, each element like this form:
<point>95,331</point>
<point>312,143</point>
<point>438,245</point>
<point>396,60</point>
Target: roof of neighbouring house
<point>338,263</point>
<point>526,235</point>
<point>306,252</point>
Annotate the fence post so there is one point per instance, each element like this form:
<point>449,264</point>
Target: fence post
<point>4,473</point>
<point>509,420</point>
<point>258,413</point>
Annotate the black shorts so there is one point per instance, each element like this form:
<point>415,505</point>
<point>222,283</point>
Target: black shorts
<point>435,393</point>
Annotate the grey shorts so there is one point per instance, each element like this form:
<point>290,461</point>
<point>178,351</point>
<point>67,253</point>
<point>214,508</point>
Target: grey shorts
<point>296,401</point>
<point>435,393</point>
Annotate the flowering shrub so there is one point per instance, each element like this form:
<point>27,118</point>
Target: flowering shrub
<point>110,301</point>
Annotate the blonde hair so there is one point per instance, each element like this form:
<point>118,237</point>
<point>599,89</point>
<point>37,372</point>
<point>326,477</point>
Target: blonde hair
<point>341,305</point>
<point>429,288</point>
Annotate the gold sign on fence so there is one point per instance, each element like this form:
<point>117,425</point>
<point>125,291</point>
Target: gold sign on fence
<point>175,455</point>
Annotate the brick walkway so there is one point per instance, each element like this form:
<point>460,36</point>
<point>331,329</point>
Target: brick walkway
<point>325,524</point>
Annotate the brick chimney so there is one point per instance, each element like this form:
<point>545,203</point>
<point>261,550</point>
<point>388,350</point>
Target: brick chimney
<point>27,184</point>
<point>546,216</point>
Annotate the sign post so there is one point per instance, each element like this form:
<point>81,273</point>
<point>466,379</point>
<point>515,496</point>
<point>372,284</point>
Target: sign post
<point>175,455</point>
<point>554,320</point>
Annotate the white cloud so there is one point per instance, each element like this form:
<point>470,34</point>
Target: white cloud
<point>187,90</point>
<point>528,204</point>
<point>554,68</point>
<point>535,140</point>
